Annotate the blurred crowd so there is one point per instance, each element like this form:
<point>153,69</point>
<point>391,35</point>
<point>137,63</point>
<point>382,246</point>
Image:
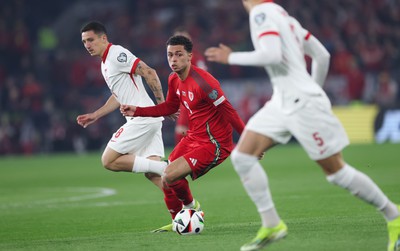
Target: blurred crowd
<point>47,78</point>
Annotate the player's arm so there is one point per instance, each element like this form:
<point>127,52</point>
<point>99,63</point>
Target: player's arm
<point>163,109</point>
<point>231,115</point>
<point>152,79</point>
<point>169,107</point>
<point>268,52</point>
<point>214,95</point>
<point>320,58</point>
<point>86,119</point>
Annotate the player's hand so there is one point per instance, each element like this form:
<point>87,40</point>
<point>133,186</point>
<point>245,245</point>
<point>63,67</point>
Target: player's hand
<point>218,54</point>
<point>127,110</point>
<point>174,116</point>
<point>86,119</point>
<point>261,156</point>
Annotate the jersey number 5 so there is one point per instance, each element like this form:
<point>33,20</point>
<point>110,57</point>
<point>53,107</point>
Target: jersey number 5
<point>318,139</point>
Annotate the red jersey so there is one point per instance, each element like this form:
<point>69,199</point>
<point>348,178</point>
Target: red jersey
<point>211,116</point>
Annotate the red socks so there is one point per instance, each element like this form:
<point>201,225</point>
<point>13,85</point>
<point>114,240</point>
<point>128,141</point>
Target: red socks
<point>178,194</point>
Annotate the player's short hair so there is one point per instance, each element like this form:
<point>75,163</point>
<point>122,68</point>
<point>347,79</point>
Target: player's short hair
<point>181,40</point>
<point>95,26</point>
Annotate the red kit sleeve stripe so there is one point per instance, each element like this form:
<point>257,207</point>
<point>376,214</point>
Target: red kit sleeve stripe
<point>307,36</point>
<point>134,66</point>
<point>275,33</point>
<point>103,58</point>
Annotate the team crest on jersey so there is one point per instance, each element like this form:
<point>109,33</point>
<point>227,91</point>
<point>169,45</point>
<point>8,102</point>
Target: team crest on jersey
<point>122,57</point>
<point>191,95</point>
<point>213,94</point>
<point>260,18</point>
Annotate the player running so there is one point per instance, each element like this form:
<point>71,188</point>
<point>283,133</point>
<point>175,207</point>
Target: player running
<point>137,145</point>
<point>298,107</point>
<point>211,118</point>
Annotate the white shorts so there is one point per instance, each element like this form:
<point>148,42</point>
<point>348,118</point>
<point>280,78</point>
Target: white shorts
<point>313,124</point>
<point>140,139</point>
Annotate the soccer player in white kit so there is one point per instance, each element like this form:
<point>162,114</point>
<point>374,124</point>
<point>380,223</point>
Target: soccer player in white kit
<point>300,108</point>
<point>137,146</point>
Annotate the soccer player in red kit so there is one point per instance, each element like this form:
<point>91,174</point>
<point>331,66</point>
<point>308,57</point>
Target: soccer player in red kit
<point>182,122</point>
<point>211,121</point>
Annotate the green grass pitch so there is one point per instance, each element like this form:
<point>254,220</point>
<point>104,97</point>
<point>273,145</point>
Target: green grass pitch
<point>70,202</point>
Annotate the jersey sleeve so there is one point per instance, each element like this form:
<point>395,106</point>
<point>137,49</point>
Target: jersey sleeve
<point>231,116</point>
<point>263,25</point>
<point>213,93</point>
<point>318,53</point>
<point>268,50</point>
<point>124,60</point>
<point>215,96</point>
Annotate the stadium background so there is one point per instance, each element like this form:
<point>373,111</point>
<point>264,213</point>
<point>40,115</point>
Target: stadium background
<point>47,78</point>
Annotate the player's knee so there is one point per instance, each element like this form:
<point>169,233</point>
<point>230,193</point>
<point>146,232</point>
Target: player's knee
<point>168,179</point>
<point>151,176</point>
<point>107,163</point>
<point>242,162</point>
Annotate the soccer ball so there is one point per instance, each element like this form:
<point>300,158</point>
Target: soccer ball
<point>188,221</point>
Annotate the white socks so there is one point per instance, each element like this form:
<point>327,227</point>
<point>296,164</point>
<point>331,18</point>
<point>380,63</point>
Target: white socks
<point>144,165</point>
<point>363,187</point>
<point>255,181</point>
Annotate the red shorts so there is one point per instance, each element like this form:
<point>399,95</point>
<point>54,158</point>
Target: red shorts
<point>201,156</point>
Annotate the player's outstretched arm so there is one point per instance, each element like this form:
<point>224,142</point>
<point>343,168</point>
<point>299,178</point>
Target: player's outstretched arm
<point>89,118</point>
<point>270,52</point>
<point>152,79</point>
<point>86,119</point>
<point>218,54</point>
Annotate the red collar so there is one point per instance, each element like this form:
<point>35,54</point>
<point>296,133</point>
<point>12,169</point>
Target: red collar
<point>103,58</point>
<point>268,1</point>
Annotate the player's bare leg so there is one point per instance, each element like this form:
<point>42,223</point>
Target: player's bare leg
<point>342,174</point>
<point>117,162</point>
<point>255,181</point>
<point>155,178</point>
<point>176,170</point>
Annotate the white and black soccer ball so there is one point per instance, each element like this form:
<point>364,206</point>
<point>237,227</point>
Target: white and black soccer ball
<point>188,221</point>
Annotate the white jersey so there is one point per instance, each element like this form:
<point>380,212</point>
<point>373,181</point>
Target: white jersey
<point>299,107</point>
<point>290,77</point>
<point>118,68</point>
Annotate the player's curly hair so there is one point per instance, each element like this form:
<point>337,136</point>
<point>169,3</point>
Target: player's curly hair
<point>181,40</point>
